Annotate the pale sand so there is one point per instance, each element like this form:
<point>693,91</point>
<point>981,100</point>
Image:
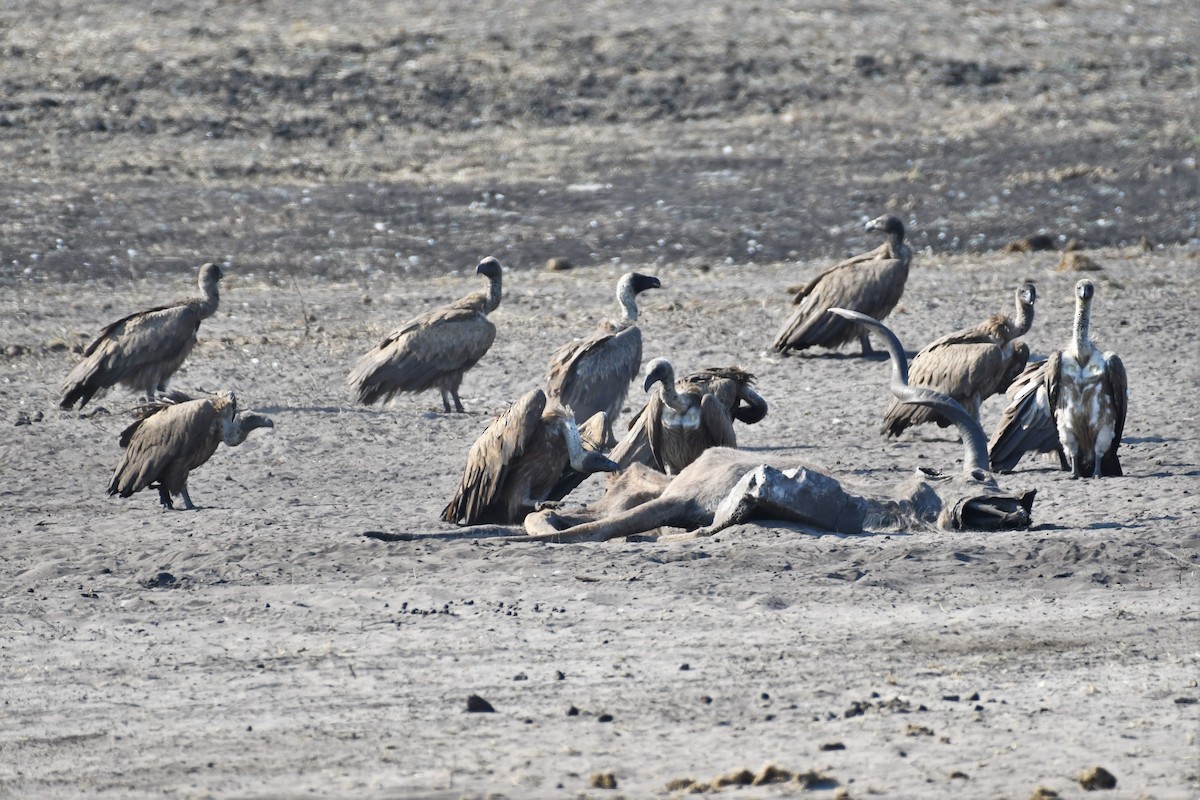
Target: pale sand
<point>295,656</point>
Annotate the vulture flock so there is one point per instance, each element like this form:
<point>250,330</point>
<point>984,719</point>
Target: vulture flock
<point>677,462</point>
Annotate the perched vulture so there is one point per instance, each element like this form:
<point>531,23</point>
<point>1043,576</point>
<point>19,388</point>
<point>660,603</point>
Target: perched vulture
<point>142,351</point>
<point>593,374</point>
<point>1073,403</point>
<point>686,417</point>
<point>173,436</point>
<point>970,365</point>
<point>432,350</point>
<point>870,283</point>
<point>518,461</point>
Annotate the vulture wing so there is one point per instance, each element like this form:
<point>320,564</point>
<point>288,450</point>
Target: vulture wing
<point>490,459</point>
<point>165,445</point>
<point>1118,388</point>
<point>594,374</point>
<point>1028,422</point>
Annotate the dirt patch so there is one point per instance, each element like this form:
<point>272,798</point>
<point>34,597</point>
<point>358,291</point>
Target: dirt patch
<point>414,138</point>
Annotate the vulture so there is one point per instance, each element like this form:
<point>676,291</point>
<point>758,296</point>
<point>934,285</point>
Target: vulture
<point>970,365</point>
<point>593,374</point>
<point>686,417</point>
<point>142,351</point>
<point>432,350</point>
<point>870,283</point>
<point>1073,403</point>
<point>515,466</point>
<point>173,436</point>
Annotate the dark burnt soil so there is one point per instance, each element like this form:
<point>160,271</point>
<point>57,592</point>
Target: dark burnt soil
<point>417,136</point>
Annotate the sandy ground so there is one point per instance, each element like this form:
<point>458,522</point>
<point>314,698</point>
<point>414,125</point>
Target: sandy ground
<point>352,163</point>
<point>285,653</point>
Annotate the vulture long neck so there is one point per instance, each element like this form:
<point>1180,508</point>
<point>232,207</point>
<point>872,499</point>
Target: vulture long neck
<point>628,302</point>
<point>493,296</point>
<point>210,295</point>
<point>1081,343</point>
<point>670,395</point>
<point>236,430</point>
<point>1023,321</point>
<point>895,242</point>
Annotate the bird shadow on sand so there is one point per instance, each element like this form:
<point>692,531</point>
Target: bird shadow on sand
<point>461,534</point>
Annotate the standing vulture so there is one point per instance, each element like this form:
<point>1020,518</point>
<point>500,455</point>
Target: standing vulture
<point>1073,403</point>
<point>870,283</point>
<point>432,350</point>
<point>686,417</point>
<point>515,465</point>
<point>970,365</point>
<point>593,374</point>
<point>173,436</point>
<point>142,351</point>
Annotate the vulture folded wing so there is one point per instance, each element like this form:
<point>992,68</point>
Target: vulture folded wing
<point>717,423</point>
<point>960,369</point>
<point>871,284</point>
<point>413,357</point>
<point>594,375</point>
<point>490,459</point>
<point>142,348</point>
<point>1118,387</point>
<point>164,443</point>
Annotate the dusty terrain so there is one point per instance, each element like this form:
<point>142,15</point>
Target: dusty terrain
<point>352,170</point>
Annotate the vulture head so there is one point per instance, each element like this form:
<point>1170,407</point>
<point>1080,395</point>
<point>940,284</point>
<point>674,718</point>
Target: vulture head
<point>632,284</point>
<point>1027,294</point>
<point>489,267</point>
<point>887,224</point>
<point>210,273</point>
<point>659,371</point>
<point>1085,289</point>
<point>582,460</point>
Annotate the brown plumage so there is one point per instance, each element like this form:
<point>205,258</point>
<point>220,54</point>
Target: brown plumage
<point>142,351</point>
<point>870,283</point>
<point>970,365</point>
<point>593,374</point>
<point>515,465</point>
<point>173,436</point>
<point>433,350</point>
<point>1073,403</point>
<point>726,487</point>
<point>684,418</point>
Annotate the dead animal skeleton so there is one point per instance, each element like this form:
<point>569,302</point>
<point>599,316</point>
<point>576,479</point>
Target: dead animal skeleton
<point>725,487</point>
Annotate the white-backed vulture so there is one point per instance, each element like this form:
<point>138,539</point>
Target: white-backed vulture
<point>173,436</point>
<point>142,351</point>
<point>970,365</point>
<point>516,463</point>
<point>684,418</point>
<point>432,350</point>
<point>724,487</point>
<point>870,283</point>
<point>1073,403</point>
<point>593,374</point>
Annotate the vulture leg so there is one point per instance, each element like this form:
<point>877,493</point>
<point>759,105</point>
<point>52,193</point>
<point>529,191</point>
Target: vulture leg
<point>458,406</point>
<point>187,500</point>
<point>164,497</point>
